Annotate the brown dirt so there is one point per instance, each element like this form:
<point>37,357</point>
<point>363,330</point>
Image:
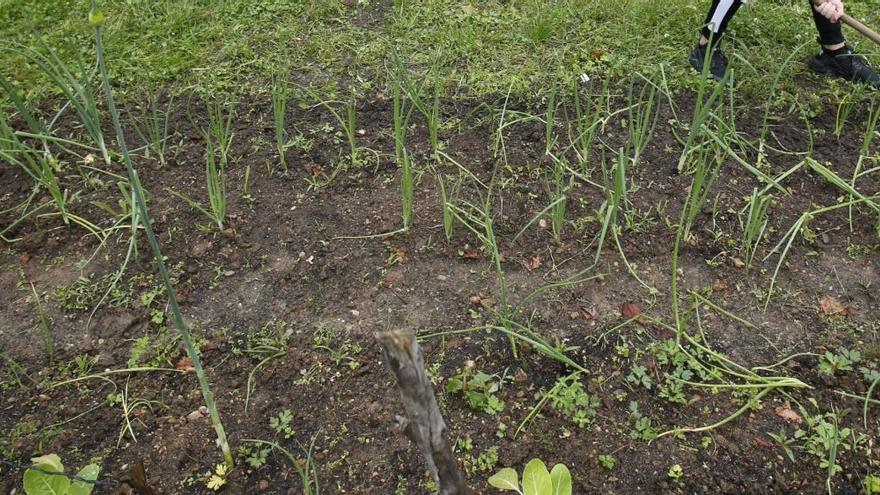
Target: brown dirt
<point>283,262</point>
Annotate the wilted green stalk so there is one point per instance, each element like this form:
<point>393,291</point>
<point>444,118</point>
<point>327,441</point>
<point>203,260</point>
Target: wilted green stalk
<point>96,19</point>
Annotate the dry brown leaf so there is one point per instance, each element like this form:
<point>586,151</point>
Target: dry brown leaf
<point>186,365</point>
<point>830,305</point>
<point>24,258</point>
<point>785,412</point>
<point>590,313</point>
<point>738,263</point>
<point>532,263</point>
<point>471,254</point>
<point>631,310</point>
<point>468,9</point>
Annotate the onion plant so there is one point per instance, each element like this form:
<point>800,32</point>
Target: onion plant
<point>642,118</point>
<point>77,91</point>
<point>549,122</point>
<point>707,166</point>
<point>588,119</point>
<point>756,224</point>
<point>280,96</point>
<point>218,135</point>
<point>709,96</point>
<point>215,181</point>
<point>558,198</point>
<point>406,189</point>
<point>154,126</point>
<point>867,138</point>
<point>96,19</point>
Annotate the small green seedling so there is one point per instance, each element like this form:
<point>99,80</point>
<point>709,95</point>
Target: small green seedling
<point>39,483</point>
<point>676,472</point>
<point>607,461</point>
<point>536,479</point>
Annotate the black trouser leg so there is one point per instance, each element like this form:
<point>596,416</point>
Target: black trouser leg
<point>829,32</point>
<point>720,14</point>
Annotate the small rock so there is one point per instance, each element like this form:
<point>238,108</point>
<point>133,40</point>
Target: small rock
<point>43,397</point>
<point>355,313</point>
<point>738,263</point>
<point>194,416</point>
<point>203,409</point>
<point>200,249</point>
<point>264,485</point>
<point>442,277</point>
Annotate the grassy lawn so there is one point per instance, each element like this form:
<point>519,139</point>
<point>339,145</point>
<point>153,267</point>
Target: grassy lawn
<point>475,48</point>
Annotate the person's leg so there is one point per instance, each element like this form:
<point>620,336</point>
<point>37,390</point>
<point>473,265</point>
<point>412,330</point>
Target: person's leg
<point>836,57</point>
<point>720,14</point>
<point>830,33</point>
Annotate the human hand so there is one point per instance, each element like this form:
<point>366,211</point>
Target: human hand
<point>830,9</point>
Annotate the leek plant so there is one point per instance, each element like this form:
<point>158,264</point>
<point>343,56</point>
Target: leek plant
<point>96,19</point>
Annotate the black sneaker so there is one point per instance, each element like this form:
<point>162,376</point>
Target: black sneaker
<point>717,62</point>
<point>847,65</point>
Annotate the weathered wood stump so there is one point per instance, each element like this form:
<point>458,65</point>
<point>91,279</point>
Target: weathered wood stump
<point>425,426</point>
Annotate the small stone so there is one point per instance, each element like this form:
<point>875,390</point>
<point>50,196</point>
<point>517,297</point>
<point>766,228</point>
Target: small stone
<point>264,485</point>
<point>194,416</point>
<point>200,249</point>
<point>738,263</point>
<point>43,397</point>
<point>355,313</point>
<point>203,409</point>
<point>441,277</point>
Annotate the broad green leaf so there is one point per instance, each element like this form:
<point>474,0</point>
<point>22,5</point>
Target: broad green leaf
<point>506,479</point>
<point>49,462</point>
<point>561,478</point>
<point>89,472</point>
<point>536,479</point>
<point>37,483</point>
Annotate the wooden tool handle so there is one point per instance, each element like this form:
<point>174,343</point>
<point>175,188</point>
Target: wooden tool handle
<point>858,26</point>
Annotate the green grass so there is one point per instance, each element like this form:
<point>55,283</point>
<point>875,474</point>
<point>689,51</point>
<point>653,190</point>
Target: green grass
<point>488,47</point>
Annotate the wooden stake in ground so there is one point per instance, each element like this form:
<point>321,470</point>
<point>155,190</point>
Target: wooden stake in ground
<point>426,427</point>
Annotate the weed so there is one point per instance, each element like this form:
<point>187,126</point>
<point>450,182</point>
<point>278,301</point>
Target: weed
<point>325,339</point>
<point>479,389</point>
<point>570,399</point>
<point>842,360</point>
<point>607,461</point>
<point>281,423</point>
